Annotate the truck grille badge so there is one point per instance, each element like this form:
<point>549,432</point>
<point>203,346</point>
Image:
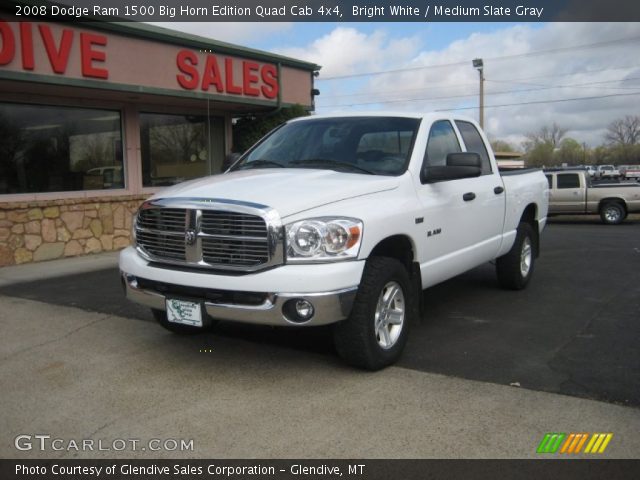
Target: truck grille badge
<point>190,237</point>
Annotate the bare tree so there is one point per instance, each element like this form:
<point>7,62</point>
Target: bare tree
<point>552,135</point>
<point>624,131</point>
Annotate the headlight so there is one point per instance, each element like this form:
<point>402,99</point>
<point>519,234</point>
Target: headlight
<point>323,239</point>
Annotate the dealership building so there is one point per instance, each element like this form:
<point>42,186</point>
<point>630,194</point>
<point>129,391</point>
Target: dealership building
<point>95,117</point>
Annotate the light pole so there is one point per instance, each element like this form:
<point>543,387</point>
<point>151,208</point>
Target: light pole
<point>478,64</point>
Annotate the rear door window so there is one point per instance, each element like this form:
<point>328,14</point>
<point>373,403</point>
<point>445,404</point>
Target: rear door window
<point>568,180</point>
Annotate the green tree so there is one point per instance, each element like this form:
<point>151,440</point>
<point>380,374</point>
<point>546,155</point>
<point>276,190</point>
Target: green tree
<point>248,130</point>
<point>601,155</point>
<point>502,146</point>
<point>540,155</point>
<point>570,152</point>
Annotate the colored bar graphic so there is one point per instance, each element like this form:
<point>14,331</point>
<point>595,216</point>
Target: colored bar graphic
<point>551,442</point>
<point>598,443</point>
<point>606,442</point>
<point>584,439</point>
<point>572,443</point>
<point>566,444</point>
<point>577,440</point>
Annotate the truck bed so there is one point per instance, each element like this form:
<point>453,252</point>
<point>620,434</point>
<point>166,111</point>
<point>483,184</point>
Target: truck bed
<point>508,171</point>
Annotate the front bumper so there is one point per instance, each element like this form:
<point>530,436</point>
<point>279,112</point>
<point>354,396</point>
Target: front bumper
<point>329,307</point>
<point>329,287</point>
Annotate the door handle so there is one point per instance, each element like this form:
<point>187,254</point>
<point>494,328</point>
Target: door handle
<point>467,197</point>
<point>498,190</point>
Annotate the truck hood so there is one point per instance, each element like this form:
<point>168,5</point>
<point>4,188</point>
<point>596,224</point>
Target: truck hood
<point>288,190</point>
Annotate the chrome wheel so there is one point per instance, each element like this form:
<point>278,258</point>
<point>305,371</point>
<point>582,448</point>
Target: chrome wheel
<point>390,314</point>
<point>526,256</point>
<point>612,214</point>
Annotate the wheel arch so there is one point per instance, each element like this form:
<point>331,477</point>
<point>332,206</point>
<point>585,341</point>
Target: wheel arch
<point>402,248</point>
<point>619,200</point>
<point>530,216</point>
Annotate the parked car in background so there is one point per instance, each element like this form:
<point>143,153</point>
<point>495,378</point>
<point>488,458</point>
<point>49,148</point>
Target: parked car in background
<point>591,171</point>
<point>111,176</point>
<point>607,171</point>
<point>573,193</point>
<point>630,172</point>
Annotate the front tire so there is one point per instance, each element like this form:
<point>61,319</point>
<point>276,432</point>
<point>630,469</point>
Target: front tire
<point>376,332</point>
<point>515,268</point>
<point>612,213</point>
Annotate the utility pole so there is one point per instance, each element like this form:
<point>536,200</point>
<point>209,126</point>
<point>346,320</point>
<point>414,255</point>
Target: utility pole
<point>479,65</point>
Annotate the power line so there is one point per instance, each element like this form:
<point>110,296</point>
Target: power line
<point>502,57</point>
<point>553,75</point>
<point>382,92</point>
<point>508,80</point>
<point>549,87</point>
<point>536,102</point>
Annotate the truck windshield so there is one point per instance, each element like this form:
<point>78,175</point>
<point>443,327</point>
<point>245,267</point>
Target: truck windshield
<point>365,145</point>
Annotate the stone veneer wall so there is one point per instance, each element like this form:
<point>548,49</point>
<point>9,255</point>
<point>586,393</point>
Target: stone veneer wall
<point>44,230</point>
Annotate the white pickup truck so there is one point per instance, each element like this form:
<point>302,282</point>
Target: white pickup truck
<point>339,220</point>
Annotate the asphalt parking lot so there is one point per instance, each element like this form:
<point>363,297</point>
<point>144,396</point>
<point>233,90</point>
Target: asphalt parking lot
<point>574,331</point>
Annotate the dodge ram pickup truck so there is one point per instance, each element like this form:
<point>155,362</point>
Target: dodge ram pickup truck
<point>573,193</point>
<point>339,220</point>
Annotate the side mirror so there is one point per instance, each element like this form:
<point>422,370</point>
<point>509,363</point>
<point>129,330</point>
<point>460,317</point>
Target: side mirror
<point>459,165</point>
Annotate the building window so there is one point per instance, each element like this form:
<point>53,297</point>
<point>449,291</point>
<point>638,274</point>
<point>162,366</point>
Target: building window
<point>177,147</point>
<point>59,149</point>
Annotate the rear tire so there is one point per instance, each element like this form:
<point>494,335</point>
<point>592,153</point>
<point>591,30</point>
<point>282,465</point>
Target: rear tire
<point>515,268</point>
<point>612,213</point>
<point>376,332</point>
<point>161,318</point>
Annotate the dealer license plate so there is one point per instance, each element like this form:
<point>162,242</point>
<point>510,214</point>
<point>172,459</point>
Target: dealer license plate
<point>184,312</point>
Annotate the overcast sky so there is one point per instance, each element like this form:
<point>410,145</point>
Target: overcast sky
<point>524,63</point>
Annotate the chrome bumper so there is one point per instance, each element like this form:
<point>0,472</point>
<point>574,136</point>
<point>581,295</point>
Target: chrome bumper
<point>330,307</point>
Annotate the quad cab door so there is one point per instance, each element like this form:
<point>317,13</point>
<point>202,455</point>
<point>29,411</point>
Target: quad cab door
<point>568,195</point>
<point>462,218</point>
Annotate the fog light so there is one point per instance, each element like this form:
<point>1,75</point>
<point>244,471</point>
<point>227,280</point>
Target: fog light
<point>304,309</point>
<point>298,310</point>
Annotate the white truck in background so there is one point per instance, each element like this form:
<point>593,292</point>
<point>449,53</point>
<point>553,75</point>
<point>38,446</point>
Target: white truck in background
<point>607,172</point>
<point>339,220</point>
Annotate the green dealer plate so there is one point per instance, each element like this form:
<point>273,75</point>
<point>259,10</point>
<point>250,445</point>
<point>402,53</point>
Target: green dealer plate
<point>184,312</point>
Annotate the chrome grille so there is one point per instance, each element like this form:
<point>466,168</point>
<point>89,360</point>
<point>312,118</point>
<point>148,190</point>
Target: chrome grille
<point>160,232</point>
<point>160,245</point>
<point>163,219</point>
<point>231,223</point>
<point>207,237</point>
<point>234,252</point>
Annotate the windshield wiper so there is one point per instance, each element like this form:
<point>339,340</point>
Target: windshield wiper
<point>259,164</point>
<point>331,163</point>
